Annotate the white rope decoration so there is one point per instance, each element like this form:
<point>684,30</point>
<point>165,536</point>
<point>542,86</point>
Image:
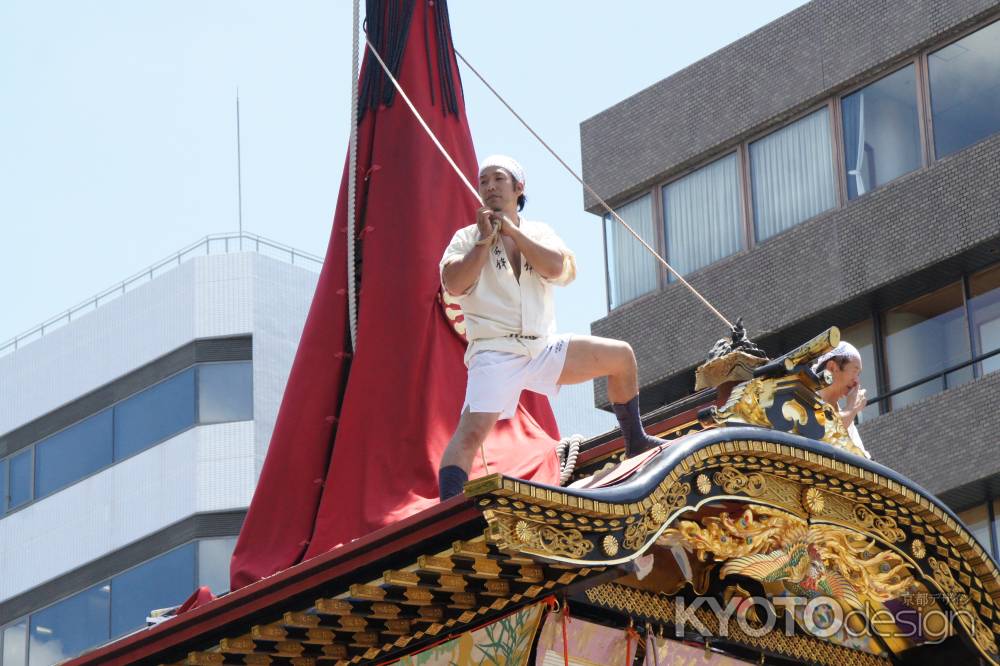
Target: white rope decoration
<point>568,450</point>
<point>352,186</point>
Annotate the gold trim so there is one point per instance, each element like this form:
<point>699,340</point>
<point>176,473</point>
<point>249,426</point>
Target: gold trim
<point>610,546</point>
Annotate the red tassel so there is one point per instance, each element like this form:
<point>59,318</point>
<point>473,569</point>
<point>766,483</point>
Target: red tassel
<point>630,633</point>
<point>565,621</point>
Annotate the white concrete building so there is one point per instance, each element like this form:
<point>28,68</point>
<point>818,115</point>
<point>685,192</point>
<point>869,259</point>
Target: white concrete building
<point>132,431</point>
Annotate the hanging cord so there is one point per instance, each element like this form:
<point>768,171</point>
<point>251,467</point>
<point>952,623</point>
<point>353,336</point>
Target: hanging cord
<point>568,450</point>
<point>352,186</point>
<point>594,194</point>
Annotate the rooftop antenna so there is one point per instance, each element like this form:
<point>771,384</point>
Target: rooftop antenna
<point>239,168</point>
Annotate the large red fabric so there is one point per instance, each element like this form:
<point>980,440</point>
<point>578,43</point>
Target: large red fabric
<point>358,437</point>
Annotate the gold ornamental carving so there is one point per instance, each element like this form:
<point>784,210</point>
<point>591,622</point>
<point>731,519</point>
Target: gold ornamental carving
<point>959,599</point>
<point>610,545</point>
<point>509,531</point>
<point>853,514</point>
<point>812,501</point>
<point>772,545</point>
<point>653,518</point>
<point>747,403</point>
<point>918,549</point>
<point>704,484</point>
<point>734,482</point>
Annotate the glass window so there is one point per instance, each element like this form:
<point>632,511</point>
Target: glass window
<point>19,480</point>
<point>862,336</point>
<point>701,212</point>
<point>984,309</point>
<point>977,519</point>
<point>632,270</point>
<point>923,337</point>
<point>160,583</point>
<point>15,644</point>
<point>72,454</point>
<point>71,626</point>
<point>213,563</point>
<point>881,132</point>
<point>154,414</point>
<point>965,90</point>
<point>791,174</point>
<point>3,487</point>
<point>225,392</point>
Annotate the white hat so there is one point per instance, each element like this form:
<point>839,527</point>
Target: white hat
<point>843,350</point>
<point>504,162</point>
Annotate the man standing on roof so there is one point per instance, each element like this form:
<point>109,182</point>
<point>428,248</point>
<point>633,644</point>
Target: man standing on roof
<point>502,275</point>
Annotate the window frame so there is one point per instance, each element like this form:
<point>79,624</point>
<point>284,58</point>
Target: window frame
<point>832,101</point>
<point>5,510</point>
<point>921,101</point>
<point>657,245</point>
<point>742,188</point>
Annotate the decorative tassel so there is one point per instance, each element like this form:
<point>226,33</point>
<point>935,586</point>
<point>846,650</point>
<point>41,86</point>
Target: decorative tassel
<point>388,29</point>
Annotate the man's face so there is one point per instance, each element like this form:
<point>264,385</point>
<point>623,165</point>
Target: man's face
<point>498,189</point>
<point>844,379</point>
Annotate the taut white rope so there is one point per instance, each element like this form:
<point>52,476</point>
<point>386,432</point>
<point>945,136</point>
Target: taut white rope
<point>594,194</point>
<point>437,143</point>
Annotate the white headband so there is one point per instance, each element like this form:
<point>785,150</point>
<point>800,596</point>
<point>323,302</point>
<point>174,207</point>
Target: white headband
<point>504,162</point>
<point>843,350</point>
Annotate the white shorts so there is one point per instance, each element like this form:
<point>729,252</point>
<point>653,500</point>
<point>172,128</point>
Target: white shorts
<point>496,379</point>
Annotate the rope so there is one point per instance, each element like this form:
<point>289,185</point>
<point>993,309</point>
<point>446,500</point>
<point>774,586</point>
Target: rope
<point>594,194</point>
<point>437,144</point>
<point>468,185</point>
<point>568,450</point>
<point>352,186</point>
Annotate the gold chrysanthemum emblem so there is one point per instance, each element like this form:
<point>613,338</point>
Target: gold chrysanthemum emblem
<point>704,484</point>
<point>658,512</point>
<point>918,549</point>
<point>522,530</point>
<point>610,545</point>
<point>812,500</point>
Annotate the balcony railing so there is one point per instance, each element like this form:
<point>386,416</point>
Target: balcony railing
<point>209,245</point>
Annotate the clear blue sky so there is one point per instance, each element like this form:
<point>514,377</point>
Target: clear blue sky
<point>118,140</point>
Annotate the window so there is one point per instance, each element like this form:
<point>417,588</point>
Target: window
<point>162,582</point>
<point>924,337</point>
<point>862,336</point>
<point>213,563</point>
<point>701,212</point>
<point>154,414</point>
<point>791,174</point>
<point>225,392</point>
<point>15,644</point>
<point>19,480</point>
<point>881,132</point>
<point>71,626</point>
<point>632,270</point>
<point>965,90</point>
<point>984,311</point>
<point>72,454</point>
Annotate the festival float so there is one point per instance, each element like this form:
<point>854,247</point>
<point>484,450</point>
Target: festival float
<point>758,534</point>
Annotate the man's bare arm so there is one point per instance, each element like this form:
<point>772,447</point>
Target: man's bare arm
<point>546,261</point>
<point>459,276</point>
